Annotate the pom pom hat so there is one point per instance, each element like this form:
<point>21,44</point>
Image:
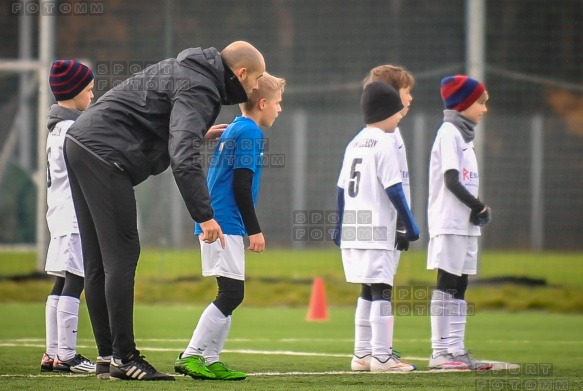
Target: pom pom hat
<point>379,101</point>
<point>68,78</point>
<point>460,92</point>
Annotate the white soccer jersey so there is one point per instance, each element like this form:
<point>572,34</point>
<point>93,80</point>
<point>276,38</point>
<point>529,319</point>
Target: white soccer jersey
<point>370,166</point>
<point>403,165</point>
<point>61,217</point>
<point>446,213</point>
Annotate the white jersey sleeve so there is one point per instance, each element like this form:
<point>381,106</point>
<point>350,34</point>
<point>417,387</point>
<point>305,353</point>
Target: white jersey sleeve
<point>446,213</point>
<point>370,165</point>
<point>61,217</point>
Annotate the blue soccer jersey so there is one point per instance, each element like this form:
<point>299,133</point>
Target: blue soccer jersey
<point>240,146</point>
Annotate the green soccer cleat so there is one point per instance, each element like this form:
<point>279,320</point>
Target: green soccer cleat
<point>193,366</point>
<point>223,372</point>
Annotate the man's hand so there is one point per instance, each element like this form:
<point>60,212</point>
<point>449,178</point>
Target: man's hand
<point>256,243</point>
<point>215,132</point>
<point>211,231</point>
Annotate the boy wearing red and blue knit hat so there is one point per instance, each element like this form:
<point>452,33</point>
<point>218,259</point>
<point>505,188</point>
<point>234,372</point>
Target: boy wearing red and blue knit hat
<point>71,83</point>
<point>455,215</point>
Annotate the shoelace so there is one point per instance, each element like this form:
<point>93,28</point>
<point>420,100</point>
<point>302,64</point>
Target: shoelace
<point>396,353</point>
<point>84,359</point>
<point>225,367</point>
<point>143,364</point>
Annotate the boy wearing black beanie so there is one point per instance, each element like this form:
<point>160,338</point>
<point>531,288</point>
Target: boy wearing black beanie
<point>370,196</point>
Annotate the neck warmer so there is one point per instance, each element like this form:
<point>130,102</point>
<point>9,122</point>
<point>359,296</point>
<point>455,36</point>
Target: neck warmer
<point>463,124</point>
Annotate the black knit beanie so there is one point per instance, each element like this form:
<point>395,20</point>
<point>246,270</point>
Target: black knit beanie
<point>379,101</point>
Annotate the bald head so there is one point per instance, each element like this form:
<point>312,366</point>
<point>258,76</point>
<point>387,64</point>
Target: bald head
<point>246,62</point>
<point>241,54</point>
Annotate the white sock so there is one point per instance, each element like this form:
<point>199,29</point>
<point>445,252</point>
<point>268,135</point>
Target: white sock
<point>362,328</point>
<point>440,309</point>
<point>52,334</point>
<point>209,325</point>
<point>67,321</point>
<point>457,326</point>
<point>381,323</point>
<point>213,351</point>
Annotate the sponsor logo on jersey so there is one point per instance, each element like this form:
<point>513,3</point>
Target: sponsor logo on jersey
<point>468,175</point>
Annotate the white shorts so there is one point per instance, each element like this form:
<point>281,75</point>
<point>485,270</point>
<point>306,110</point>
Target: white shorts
<point>224,262</point>
<point>455,254</point>
<point>65,255</point>
<point>370,266</point>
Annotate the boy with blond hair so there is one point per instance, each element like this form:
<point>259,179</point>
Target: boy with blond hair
<point>233,181</point>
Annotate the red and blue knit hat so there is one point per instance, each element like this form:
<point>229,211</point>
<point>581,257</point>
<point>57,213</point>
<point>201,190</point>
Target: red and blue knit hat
<point>68,78</point>
<point>460,92</point>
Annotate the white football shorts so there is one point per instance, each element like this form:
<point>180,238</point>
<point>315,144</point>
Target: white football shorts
<point>370,266</point>
<point>224,262</point>
<point>456,254</point>
<point>65,255</point>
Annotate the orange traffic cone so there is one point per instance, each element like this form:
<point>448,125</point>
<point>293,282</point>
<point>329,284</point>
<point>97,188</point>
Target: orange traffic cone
<point>317,312</point>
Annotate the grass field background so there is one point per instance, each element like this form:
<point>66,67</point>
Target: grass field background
<point>539,327</point>
<point>280,349</point>
<point>284,277</point>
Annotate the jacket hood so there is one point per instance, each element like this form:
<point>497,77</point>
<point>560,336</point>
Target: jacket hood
<point>59,113</point>
<point>209,63</point>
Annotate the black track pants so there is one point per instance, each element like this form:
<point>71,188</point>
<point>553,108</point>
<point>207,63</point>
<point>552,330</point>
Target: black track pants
<point>106,212</point>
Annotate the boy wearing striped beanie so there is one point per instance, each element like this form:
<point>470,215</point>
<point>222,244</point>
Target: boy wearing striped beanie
<point>455,215</point>
<point>71,83</point>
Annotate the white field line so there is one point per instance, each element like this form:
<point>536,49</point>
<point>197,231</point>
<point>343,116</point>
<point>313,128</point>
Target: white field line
<point>498,365</point>
<point>293,340</point>
<point>294,373</point>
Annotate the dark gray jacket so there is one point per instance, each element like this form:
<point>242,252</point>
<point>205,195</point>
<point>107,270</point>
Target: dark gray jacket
<point>58,114</point>
<point>158,117</point>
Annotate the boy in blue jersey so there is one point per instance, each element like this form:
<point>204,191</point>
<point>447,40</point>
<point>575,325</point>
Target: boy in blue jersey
<point>233,182</point>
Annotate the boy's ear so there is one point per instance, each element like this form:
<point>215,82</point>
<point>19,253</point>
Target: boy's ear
<point>262,103</point>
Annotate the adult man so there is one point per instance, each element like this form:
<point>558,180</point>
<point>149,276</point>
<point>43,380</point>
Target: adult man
<point>154,119</point>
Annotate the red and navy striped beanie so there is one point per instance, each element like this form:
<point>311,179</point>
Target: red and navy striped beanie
<point>460,92</point>
<point>68,78</point>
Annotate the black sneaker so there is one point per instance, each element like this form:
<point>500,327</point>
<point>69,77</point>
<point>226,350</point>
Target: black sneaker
<point>46,364</point>
<point>102,367</point>
<point>78,364</point>
<point>135,367</point>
